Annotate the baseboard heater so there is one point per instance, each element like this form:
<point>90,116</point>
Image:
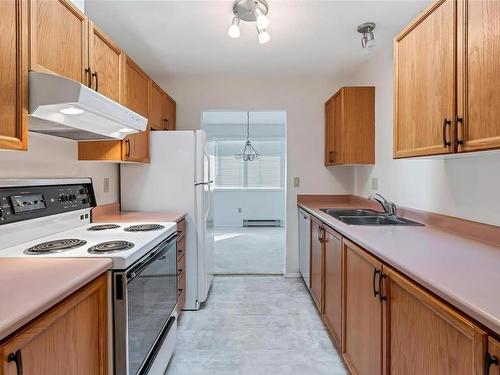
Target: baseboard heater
<point>261,223</point>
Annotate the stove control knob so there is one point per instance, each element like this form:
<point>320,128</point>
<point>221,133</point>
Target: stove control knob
<point>72,197</point>
<point>85,201</point>
<point>82,191</point>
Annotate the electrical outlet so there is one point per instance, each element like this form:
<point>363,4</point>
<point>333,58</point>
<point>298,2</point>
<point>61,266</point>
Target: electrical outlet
<point>240,210</point>
<point>106,185</point>
<point>296,182</point>
<point>374,183</point>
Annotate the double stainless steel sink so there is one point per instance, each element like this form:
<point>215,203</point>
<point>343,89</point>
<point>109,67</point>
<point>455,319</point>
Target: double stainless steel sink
<point>367,217</point>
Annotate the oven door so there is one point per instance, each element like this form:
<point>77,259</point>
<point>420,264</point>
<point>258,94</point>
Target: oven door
<point>144,298</point>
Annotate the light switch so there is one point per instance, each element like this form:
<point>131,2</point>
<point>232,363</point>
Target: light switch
<point>296,182</point>
<point>374,183</point>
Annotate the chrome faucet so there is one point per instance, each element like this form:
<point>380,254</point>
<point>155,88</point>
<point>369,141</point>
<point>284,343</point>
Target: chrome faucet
<point>389,207</point>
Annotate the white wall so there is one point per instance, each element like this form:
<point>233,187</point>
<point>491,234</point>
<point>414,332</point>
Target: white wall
<point>303,99</point>
<point>254,204</point>
<point>49,157</point>
<point>466,187</point>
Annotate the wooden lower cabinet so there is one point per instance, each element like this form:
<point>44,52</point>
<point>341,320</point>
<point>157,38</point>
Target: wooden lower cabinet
<point>362,312</point>
<point>332,300</point>
<point>71,338</point>
<point>425,336</point>
<point>181,264</point>
<point>317,263</point>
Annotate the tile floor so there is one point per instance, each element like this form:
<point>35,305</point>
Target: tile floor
<point>255,326</point>
<point>240,250</point>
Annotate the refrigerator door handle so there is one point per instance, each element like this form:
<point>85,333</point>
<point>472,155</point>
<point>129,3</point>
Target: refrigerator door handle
<point>203,183</point>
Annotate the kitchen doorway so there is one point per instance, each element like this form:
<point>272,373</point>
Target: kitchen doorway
<point>248,160</point>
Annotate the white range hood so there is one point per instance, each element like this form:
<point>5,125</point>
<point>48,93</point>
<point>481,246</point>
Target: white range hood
<point>65,108</point>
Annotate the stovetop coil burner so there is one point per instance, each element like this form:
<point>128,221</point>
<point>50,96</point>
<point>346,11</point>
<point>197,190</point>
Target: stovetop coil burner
<point>110,247</point>
<point>56,246</point>
<point>103,227</point>
<point>144,228</point>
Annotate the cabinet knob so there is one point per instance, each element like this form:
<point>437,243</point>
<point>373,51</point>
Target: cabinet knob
<point>331,156</point>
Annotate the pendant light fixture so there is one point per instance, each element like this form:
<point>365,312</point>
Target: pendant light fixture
<point>250,11</point>
<point>248,152</point>
<point>368,39</point>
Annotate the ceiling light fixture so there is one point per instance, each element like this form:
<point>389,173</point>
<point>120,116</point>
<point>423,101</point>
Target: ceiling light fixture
<point>368,39</point>
<point>234,29</point>
<point>250,11</point>
<point>248,152</point>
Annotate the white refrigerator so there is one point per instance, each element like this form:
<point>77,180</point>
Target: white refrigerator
<point>178,179</point>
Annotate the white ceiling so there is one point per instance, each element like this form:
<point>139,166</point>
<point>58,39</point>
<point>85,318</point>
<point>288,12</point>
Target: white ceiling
<point>170,38</point>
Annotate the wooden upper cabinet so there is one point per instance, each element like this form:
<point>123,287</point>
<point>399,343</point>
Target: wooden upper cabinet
<point>105,63</point>
<point>157,111</point>
<point>14,75</point>
<point>478,75</point>
<point>58,39</point>
<point>136,97</point>
<point>350,126</point>
<point>424,336</point>
<point>317,263</point>
<point>71,338</point>
<point>332,306</point>
<point>170,113</point>
<point>424,83</point>
<point>362,312</point>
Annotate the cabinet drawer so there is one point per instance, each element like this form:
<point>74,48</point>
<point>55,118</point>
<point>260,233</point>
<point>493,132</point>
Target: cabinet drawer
<point>181,229</point>
<point>181,264</point>
<point>181,248</point>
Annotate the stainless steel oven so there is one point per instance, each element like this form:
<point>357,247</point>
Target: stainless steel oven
<point>144,297</point>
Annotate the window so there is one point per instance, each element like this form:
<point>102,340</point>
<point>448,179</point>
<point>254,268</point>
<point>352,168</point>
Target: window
<point>265,172</point>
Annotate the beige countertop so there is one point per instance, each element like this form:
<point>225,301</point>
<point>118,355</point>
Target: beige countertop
<point>461,270</point>
<point>111,214</point>
<point>28,287</point>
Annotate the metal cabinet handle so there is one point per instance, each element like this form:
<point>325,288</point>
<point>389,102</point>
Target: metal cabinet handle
<point>89,77</point>
<point>488,361</point>
<point>17,358</point>
<point>446,122</point>
<point>331,155</point>
<point>319,234</point>
<point>381,297</point>
<point>375,273</point>
<point>96,80</point>
<point>459,120</point>
<point>165,121</point>
<point>127,148</point>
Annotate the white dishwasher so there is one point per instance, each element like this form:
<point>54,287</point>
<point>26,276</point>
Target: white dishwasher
<point>304,245</point>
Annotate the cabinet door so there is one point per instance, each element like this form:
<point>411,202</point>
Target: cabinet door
<point>157,118</point>
<point>424,83</point>
<point>13,75</point>
<point>491,361</point>
<point>317,263</point>
<point>424,336</point>
<point>479,75</point>
<point>362,314</point>
<point>58,39</point>
<point>332,310</point>
<point>338,128</point>
<point>69,339</point>
<point>329,147</point>
<point>105,64</point>
<point>136,97</point>
<point>170,111</point>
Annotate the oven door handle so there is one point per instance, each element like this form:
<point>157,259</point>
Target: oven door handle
<point>155,255</point>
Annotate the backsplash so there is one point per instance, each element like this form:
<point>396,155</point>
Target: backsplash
<point>49,157</point>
